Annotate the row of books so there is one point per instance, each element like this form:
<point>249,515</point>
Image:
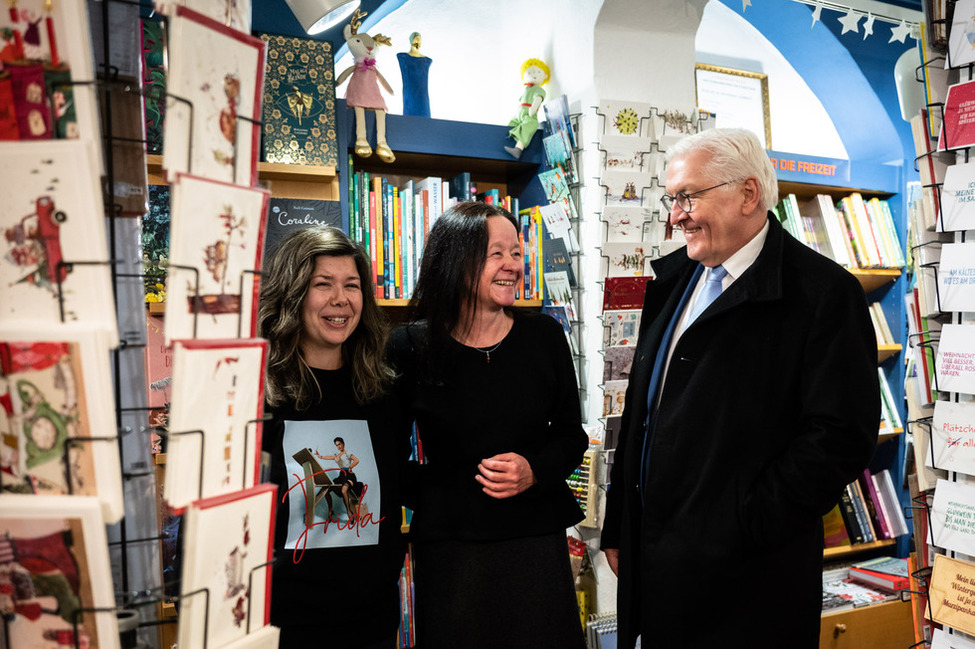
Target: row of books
<point>868,511</point>
<point>391,217</point>
<point>885,336</point>
<point>854,232</point>
<point>407,627</point>
<point>890,418</point>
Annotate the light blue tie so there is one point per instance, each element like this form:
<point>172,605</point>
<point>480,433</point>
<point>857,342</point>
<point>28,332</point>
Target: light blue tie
<point>710,292</point>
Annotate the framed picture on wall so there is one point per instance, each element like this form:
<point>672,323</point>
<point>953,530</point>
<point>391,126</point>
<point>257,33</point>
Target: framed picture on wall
<point>738,98</point>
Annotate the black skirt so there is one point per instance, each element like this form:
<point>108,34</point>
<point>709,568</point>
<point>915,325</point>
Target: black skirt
<point>515,593</point>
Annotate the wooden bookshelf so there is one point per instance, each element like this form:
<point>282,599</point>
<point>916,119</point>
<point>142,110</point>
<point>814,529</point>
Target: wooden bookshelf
<point>873,278</point>
<point>886,351</point>
<point>844,551</point>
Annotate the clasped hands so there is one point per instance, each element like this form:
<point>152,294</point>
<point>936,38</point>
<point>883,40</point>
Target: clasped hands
<point>505,475</point>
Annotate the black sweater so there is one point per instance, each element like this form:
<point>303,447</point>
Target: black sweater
<point>525,401</point>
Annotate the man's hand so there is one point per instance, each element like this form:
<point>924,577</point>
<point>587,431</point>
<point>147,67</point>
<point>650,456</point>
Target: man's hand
<point>613,559</point>
<point>505,475</point>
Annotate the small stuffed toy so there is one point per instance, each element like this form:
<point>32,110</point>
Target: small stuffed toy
<point>534,74</point>
<point>363,92</point>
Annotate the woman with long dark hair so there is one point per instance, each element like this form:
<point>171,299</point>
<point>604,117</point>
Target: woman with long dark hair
<point>494,397</point>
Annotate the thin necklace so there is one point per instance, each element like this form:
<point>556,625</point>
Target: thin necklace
<point>487,352</point>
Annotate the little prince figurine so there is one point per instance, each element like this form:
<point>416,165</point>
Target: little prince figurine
<point>534,74</point>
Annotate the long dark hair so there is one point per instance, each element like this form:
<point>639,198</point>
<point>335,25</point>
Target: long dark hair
<point>284,285</point>
<point>453,260</point>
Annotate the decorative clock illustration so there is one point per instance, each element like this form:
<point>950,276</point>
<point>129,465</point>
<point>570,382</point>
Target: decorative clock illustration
<point>627,121</point>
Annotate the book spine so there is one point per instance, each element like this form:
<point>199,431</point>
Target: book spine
<point>883,527</point>
<point>861,513</point>
<point>397,244</point>
<point>389,246</point>
<point>850,517</point>
<point>377,210</point>
<point>860,502</point>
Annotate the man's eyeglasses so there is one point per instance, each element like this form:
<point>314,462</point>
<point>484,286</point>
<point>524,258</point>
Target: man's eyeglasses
<point>683,200</point>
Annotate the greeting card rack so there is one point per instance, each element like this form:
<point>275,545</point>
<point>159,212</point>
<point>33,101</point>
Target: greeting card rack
<point>938,402</point>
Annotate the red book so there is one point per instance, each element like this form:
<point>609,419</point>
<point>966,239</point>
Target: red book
<point>884,580</point>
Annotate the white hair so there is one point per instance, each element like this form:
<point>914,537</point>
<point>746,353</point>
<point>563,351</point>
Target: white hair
<point>736,154</point>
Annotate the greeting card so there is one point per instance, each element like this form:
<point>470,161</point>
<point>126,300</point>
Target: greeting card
<point>55,564</point>
<point>626,223</point>
<point>628,188</point>
<point>621,327</point>
<point>216,76</point>
<point>226,584</point>
<point>628,118</point>
<point>215,245</point>
<point>626,259</point>
<point>214,433</point>
<point>55,264</point>
<point>57,431</point>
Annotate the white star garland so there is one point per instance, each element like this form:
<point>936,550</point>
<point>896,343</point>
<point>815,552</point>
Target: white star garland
<point>745,4</point>
<point>900,32</point>
<point>849,22</point>
<point>868,26</point>
<point>817,14</point>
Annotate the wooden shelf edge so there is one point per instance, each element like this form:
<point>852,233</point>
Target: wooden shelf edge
<point>874,278</point>
<point>403,302</point>
<point>265,170</point>
<point>886,351</point>
<point>857,548</point>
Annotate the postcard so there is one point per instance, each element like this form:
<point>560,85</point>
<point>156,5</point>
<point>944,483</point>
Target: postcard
<point>216,244</point>
<point>214,84</point>
<point>55,263</point>
<point>56,562</point>
<point>226,582</point>
<point>214,444</point>
<point>628,118</point>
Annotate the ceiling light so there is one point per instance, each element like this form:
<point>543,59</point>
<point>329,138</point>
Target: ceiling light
<point>316,16</point>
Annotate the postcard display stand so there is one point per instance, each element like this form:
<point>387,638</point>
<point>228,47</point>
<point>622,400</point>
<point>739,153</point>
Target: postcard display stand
<point>633,142</point>
<point>75,444</point>
<point>940,382</point>
<point>562,281</point>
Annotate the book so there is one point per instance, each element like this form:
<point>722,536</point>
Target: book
<point>873,498</point>
<point>834,529</point>
<point>298,99</point>
<point>886,572</point>
<point>848,510</point>
<point>890,503</point>
<point>557,259</point>
<point>459,187</point>
<point>285,215</point>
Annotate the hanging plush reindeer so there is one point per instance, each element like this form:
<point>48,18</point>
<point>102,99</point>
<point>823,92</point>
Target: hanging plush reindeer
<point>363,92</point>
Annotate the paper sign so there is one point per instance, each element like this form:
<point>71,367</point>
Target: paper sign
<point>952,593</point>
<point>958,198</point>
<point>956,277</point>
<point>953,517</point>
<point>958,130</point>
<point>953,437</point>
<point>955,362</point>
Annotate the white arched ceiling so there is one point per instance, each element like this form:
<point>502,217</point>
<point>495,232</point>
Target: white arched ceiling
<point>800,123</point>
